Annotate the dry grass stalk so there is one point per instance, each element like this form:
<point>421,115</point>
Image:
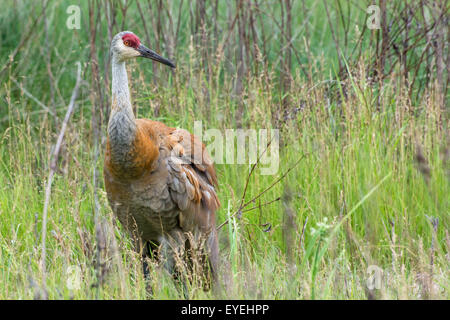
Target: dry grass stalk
<point>53,168</point>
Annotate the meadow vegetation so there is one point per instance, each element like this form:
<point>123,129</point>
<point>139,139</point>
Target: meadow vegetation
<point>364,140</point>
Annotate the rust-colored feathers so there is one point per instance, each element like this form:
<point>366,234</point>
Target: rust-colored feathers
<point>170,174</point>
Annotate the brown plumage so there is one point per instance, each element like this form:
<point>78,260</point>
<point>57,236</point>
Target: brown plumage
<point>160,181</point>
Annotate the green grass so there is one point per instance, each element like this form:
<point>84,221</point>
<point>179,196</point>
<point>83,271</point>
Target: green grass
<point>358,197</point>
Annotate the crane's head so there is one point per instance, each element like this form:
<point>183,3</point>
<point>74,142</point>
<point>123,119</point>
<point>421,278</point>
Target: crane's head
<point>126,45</point>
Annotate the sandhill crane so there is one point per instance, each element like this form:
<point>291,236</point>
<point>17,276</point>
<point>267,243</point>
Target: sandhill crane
<point>160,181</point>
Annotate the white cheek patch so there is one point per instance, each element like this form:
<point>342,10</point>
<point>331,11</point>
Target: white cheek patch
<point>127,52</point>
<point>131,53</point>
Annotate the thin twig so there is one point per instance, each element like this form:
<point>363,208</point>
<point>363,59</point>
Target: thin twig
<point>230,29</point>
<point>275,182</point>
<point>29,95</point>
<point>262,205</point>
<point>24,39</point>
<point>303,233</point>
<point>252,170</point>
<point>239,211</point>
<point>52,173</point>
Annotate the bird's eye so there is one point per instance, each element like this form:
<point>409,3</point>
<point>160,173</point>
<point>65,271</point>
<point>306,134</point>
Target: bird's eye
<point>127,43</point>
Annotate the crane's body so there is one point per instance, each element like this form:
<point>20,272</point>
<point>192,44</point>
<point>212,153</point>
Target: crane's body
<point>159,180</point>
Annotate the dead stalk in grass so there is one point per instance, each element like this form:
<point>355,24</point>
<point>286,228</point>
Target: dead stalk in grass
<point>53,166</point>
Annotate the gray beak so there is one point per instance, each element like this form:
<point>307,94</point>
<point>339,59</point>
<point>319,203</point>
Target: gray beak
<point>147,53</point>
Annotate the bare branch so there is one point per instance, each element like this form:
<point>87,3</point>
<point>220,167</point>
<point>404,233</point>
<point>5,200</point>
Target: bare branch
<point>54,159</point>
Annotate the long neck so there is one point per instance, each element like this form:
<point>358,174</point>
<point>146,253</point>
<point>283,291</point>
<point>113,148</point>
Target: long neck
<point>122,123</point>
